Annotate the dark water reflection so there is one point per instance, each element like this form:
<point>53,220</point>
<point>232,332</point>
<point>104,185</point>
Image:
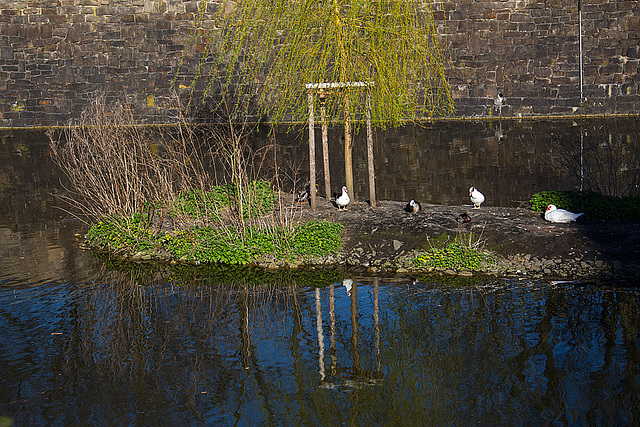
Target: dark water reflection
<point>389,353</point>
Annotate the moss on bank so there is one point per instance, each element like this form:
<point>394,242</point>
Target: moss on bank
<point>455,255</point>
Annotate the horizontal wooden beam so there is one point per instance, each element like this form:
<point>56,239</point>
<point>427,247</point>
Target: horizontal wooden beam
<point>337,85</point>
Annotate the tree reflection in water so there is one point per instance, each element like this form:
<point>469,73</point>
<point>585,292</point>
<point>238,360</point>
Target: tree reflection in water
<point>154,348</point>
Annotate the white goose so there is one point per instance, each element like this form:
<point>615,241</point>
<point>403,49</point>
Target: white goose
<point>554,214</point>
<point>476,197</point>
<point>343,200</point>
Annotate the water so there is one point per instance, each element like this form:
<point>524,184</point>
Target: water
<point>390,353</point>
<point>83,344</point>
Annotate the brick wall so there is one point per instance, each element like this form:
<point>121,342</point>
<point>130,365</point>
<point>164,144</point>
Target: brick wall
<point>55,55</point>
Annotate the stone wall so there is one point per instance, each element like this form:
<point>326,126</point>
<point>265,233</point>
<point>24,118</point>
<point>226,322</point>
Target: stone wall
<point>56,54</point>
<point>529,51</point>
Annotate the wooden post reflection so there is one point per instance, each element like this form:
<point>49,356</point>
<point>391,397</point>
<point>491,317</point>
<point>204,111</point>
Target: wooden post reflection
<point>332,323</point>
<point>320,334</point>
<point>355,328</point>
<point>244,327</point>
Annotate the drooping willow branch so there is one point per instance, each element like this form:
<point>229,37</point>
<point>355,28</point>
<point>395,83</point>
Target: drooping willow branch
<point>261,53</point>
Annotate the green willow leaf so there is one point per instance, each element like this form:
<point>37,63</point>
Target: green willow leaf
<point>260,54</point>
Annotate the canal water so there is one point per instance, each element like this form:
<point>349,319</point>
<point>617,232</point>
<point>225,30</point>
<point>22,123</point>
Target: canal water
<point>85,344</point>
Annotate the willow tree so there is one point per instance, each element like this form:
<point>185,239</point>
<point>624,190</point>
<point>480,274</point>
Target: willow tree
<point>265,53</point>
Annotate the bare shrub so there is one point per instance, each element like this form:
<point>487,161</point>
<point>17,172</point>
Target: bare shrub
<point>119,169</point>
<point>600,157</point>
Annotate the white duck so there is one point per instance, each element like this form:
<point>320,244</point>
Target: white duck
<point>343,200</point>
<point>476,197</point>
<point>554,214</point>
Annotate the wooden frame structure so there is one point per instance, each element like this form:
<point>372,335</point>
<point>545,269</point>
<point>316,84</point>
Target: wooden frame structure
<point>323,89</point>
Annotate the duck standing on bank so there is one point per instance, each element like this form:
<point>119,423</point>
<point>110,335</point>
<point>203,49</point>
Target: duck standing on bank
<point>413,206</point>
<point>476,197</point>
<point>343,200</point>
<point>303,196</point>
<point>554,214</point>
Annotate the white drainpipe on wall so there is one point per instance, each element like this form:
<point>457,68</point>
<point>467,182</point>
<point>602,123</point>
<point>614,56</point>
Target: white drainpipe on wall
<point>581,98</point>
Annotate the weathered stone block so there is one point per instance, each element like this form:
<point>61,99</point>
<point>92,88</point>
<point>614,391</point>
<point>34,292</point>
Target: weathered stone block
<point>6,53</point>
<point>105,10</point>
<point>528,49</point>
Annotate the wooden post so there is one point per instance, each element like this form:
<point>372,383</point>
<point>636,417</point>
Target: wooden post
<point>312,154</point>
<point>319,88</point>
<point>372,176</point>
<point>348,162</point>
<point>325,147</point>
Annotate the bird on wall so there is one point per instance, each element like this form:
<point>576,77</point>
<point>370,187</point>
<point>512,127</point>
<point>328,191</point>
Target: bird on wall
<point>498,101</point>
<point>343,200</point>
<point>476,197</point>
<point>413,206</point>
<point>554,214</point>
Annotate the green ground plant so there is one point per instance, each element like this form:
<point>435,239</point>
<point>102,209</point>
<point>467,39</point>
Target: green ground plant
<point>594,205</point>
<point>206,244</point>
<point>454,256</point>
<point>317,238</point>
<point>216,246</point>
<point>465,252</point>
<point>122,234</point>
